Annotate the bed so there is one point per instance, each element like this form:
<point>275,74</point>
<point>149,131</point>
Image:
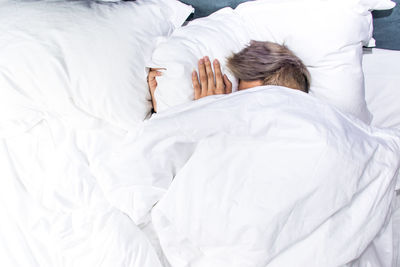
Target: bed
<point>261,177</point>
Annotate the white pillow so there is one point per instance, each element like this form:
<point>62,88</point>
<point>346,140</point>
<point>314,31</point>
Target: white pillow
<point>216,36</point>
<point>329,41</point>
<point>327,35</point>
<point>72,57</point>
<point>364,6</point>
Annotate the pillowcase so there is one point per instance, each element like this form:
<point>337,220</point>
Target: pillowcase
<point>329,42</point>
<point>81,57</point>
<point>365,6</point>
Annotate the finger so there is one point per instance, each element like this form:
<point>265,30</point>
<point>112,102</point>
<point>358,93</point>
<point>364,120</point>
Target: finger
<point>151,78</point>
<point>152,75</point>
<point>219,82</point>
<point>152,84</point>
<point>210,76</point>
<point>151,81</point>
<point>196,85</point>
<point>228,85</point>
<point>156,69</point>
<point>203,77</point>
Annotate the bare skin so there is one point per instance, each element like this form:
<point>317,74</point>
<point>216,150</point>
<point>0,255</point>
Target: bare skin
<point>210,83</point>
<point>207,82</point>
<point>152,82</point>
<point>243,85</point>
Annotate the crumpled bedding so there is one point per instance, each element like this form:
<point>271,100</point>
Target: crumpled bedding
<point>263,177</point>
<point>53,212</point>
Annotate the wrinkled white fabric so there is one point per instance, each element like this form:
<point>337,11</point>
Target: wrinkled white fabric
<point>263,177</point>
<point>82,56</point>
<point>290,196</point>
<point>382,78</point>
<point>52,210</point>
<point>266,176</point>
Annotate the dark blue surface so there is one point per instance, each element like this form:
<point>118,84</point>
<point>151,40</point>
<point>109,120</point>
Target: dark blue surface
<point>387,27</point>
<point>206,7</point>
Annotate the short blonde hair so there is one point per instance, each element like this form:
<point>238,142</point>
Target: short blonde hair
<point>271,63</point>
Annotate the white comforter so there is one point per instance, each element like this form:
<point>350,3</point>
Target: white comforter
<point>263,177</point>
<point>52,211</point>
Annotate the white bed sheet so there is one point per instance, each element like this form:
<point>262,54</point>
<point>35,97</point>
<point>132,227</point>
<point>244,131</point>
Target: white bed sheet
<point>382,91</point>
<point>396,232</point>
<point>382,86</point>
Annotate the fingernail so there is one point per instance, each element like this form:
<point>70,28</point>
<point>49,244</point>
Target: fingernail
<point>216,61</point>
<point>206,58</point>
<point>159,73</point>
<point>201,61</point>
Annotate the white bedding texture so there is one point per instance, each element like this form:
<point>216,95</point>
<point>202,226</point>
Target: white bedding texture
<point>266,177</point>
<point>74,57</point>
<point>261,185</point>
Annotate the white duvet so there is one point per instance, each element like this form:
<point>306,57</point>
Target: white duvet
<point>263,177</point>
<point>52,211</point>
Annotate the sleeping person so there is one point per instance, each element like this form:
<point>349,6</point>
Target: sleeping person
<point>259,63</point>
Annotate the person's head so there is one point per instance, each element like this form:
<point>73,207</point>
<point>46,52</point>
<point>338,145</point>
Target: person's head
<point>267,63</point>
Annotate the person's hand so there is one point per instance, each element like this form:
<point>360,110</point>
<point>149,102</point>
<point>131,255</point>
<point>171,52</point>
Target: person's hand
<point>152,82</point>
<point>208,85</point>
